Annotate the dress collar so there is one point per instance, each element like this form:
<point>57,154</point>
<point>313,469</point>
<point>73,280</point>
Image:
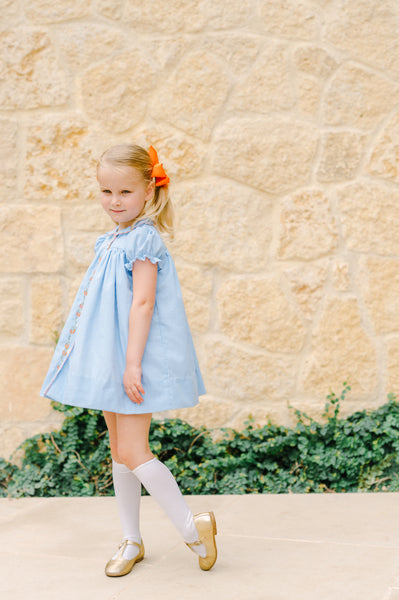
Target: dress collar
<point>118,231</point>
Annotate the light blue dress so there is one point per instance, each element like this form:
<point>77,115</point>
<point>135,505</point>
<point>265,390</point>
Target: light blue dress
<point>89,360</point>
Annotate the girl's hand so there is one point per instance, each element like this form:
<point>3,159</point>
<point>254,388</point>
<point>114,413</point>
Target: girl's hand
<point>132,384</point>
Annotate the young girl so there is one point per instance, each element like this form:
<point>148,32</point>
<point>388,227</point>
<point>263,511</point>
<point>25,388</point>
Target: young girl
<point>126,348</point>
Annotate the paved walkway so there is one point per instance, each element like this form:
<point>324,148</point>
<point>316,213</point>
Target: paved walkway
<point>286,547</point>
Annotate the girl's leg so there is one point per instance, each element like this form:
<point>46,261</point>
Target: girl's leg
<point>127,492</point>
<point>134,452</point>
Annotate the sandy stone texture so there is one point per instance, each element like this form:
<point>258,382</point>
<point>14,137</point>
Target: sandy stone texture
<point>369,213</point>
<point>341,156</point>
<point>220,223</point>
<point>8,159</point>
<point>130,78</point>
<point>257,312</point>
<point>308,228</point>
<point>366,30</point>
<point>69,173</point>
<point>19,399</point>
<point>268,85</point>
<point>30,239</point>
<point>12,307</point>
<point>341,350</point>
<point>307,285</point>
<point>271,154</point>
<point>196,283</point>
<point>392,375</point>
<point>357,97</point>
<point>291,18</point>
<point>192,96</point>
<point>30,76</point>
<point>240,375</point>
<point>380,287</point>
<point>47,11</point>
<point>384,161</point>
<point>46,310</point>
<point>112,9</point>
<point>81,46</point>
<point>166,17</point>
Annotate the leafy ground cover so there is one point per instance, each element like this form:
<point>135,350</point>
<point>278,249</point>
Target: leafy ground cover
<point>357,453</point>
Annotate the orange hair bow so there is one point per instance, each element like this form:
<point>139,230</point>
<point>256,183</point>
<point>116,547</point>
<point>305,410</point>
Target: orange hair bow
<point>157,169</point>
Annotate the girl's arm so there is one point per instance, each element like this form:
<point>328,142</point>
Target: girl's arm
<point>144,285</point>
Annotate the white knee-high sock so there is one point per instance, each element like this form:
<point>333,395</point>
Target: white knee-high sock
<point>128,495</point>
<point>160,483</point>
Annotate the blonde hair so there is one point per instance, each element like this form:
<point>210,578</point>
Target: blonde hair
<point>160,208</point>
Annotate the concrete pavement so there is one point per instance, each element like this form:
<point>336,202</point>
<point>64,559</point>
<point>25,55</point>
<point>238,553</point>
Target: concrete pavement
<point>271,547</point>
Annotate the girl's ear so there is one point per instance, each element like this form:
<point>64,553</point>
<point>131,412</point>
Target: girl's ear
<point>150,191</point>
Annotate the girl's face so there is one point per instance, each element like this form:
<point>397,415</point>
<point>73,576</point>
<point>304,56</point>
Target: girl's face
<point>124,193</point>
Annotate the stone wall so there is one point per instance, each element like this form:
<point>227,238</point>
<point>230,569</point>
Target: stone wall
<point>278,122</point>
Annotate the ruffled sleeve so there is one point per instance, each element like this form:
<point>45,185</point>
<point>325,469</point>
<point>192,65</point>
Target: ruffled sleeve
<point>145,242</point>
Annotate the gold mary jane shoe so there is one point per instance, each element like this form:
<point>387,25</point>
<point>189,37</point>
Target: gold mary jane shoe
<point>118,566</point>
<point>206,527</point>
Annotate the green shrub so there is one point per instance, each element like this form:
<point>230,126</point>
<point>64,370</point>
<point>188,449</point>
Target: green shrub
<point>356,453</point>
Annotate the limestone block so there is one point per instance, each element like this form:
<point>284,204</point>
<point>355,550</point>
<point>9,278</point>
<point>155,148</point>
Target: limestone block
<point>367,30</point>
<point>82,44</point>
<point>370,217</point>
<point>95,219</point>
<point>308,228</point>
<point>196,279</point>
<point>307,285</point>
<point>272,154</point>
<point>12,435</point>
<point>165,52</point>
<point>48,11</point>
<point>196,284</point>
<point>392,375</point>
<point>211,412</point>
<point>257,312</point>
<point>380,286</point>
<point>10,438</point>
<point>234,14</point>
<point>341,351</point>
<point>22,371</point>
<point>10,15</point>
<point>8,158</point>
<point>73,284</point>
<point>237,50</point>
<point>358,98</point>
<point>193,94</point>
<point>315,61</point>
<point>12,306</point>
<point>234,374</point>
<point>341,276</point>
<point>268,85</point>
<point>61,160</point>
<point>30,239</point>
<point>30,76</point>
<point>112,9</point>
<point>207,230</point>
<point>119,101</point>
<point>181,157</point>
<point>80,250</point>
<point>384,160</point>
<point>341,154</point>
<point>295,19</point>
<point>309,92</point>
<point>46,310</point>
<point>165,17</point>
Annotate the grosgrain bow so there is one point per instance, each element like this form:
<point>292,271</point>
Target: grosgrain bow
<point>157,169</point>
